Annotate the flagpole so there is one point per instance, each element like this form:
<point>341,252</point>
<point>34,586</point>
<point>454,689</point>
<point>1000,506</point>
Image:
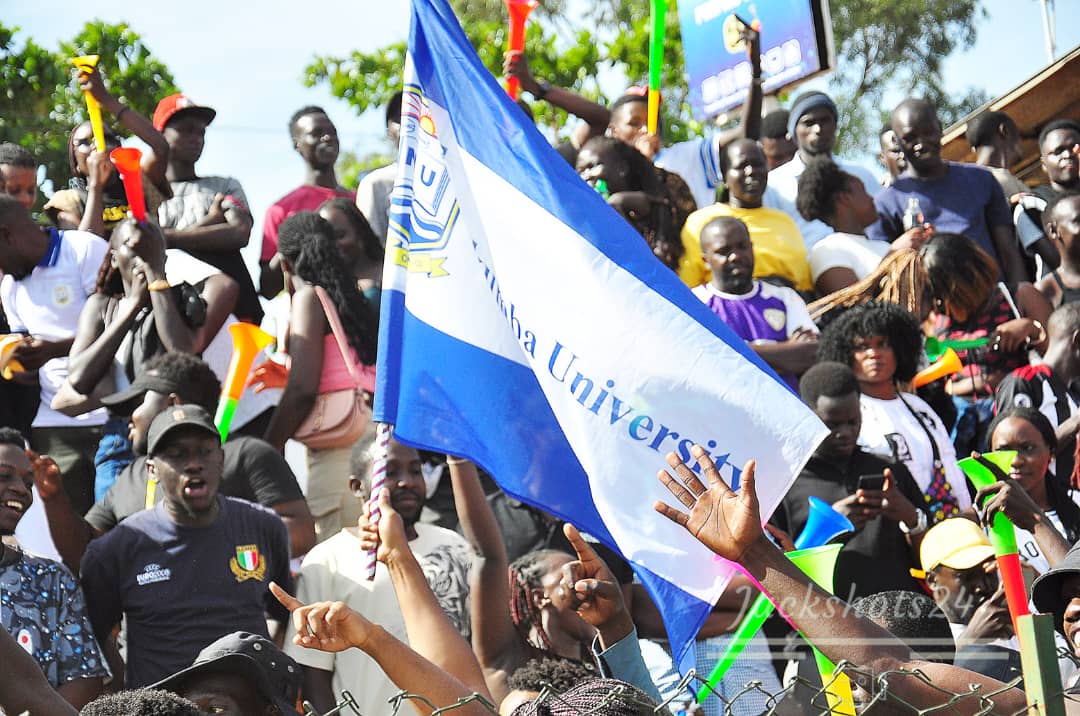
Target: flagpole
<point>378,482</point>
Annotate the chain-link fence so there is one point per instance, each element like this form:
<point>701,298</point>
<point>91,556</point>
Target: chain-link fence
<point>873,693</point>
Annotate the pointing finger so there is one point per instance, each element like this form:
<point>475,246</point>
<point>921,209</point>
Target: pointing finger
<point>287,600</point>
<point>584,550</point>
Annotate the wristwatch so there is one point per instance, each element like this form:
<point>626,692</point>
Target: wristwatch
<point>159,284</point>
<point>545,87</point>
<point>920,524</point>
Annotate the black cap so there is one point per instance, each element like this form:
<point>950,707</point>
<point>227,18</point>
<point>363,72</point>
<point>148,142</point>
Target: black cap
<point>273,673</point>
<point>177,416</point>
<point>1046,591</point>
<point>124,402</point>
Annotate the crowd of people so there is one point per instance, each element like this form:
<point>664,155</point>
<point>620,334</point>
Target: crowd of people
<point>148,567</point>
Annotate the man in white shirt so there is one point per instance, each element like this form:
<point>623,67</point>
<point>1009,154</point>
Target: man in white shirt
<point>48,275</point>
<point>335,570</point>
<point>812,123</point>
<point>373,193</point>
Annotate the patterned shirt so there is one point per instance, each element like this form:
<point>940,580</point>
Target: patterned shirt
<point>42,607</point>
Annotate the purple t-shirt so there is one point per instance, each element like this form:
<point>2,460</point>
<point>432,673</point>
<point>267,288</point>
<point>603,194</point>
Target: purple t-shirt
<point>758,316</point>
<point>966,200</point>
<point>767,314</point>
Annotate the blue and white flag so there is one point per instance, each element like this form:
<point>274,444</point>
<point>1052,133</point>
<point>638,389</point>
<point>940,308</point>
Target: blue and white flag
<point>528,327</point>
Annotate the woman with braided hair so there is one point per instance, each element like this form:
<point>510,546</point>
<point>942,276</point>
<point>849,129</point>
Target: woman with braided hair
<point>310,258</point>
<point>900,278</point>
<point>553,605</point>
<point>541,608</point>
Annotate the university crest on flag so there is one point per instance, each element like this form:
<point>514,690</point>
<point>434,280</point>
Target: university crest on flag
<point>248,563</point>
<point>433,208</point>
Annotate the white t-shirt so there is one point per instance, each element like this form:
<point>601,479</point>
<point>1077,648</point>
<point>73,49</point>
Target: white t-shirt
<point>335,570</point>
<point>783,190</point>
<point>47,303</point>
<point>851,251</point>
<point>1029,549</point>
<point>891,430</point>
<point>373,198</point>
<point>697,162</point>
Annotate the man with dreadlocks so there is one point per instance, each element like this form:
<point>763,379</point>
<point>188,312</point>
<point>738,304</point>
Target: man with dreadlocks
<point>95,199</point>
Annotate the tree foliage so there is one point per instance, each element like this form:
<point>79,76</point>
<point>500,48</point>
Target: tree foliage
<point>885,49</point>
<point>40,101</point>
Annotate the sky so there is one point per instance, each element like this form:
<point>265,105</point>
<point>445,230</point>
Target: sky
<point>246,61</point>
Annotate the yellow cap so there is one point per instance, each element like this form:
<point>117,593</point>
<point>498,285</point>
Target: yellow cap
<point>956,542</point>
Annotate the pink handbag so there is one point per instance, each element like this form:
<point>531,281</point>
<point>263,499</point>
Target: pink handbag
<point>339,417</point>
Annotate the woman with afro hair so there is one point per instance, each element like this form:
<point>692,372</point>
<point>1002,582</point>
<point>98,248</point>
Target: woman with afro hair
<point>881,342</point>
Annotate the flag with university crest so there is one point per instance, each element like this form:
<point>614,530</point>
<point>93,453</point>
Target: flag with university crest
<point>526,326</point>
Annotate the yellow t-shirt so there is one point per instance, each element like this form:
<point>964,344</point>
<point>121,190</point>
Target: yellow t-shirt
<point>778,246</point>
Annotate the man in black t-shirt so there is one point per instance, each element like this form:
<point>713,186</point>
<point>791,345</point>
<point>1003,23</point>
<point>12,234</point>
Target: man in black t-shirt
<point>192,569</point>
<point>252,470</point>
<point>878,558</point>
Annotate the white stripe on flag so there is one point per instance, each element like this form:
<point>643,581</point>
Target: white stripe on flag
<point>629,375</point>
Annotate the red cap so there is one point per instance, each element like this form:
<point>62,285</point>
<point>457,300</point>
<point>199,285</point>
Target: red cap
<point>174,103</point>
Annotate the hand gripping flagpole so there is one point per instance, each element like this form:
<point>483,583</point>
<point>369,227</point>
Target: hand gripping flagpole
<point>378,482</point>
<point>519,13</point>
<point>87,64</point>
<point>657,28</point>
<point>1002,532</point>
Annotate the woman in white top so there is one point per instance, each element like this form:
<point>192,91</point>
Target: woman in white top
<point>1045,501</point>
<point>840,199</point>
<point>882,342</point>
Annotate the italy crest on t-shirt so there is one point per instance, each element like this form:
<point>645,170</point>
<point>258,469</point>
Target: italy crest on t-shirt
<point>248,563</point>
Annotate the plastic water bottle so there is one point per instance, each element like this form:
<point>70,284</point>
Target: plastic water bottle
<point>913,215</point>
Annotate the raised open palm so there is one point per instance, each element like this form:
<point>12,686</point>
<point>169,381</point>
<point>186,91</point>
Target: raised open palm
<point>726,522</point>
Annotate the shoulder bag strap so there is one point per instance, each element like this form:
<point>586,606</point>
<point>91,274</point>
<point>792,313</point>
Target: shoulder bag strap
<point>339,332</point>
<point>929,435</point>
